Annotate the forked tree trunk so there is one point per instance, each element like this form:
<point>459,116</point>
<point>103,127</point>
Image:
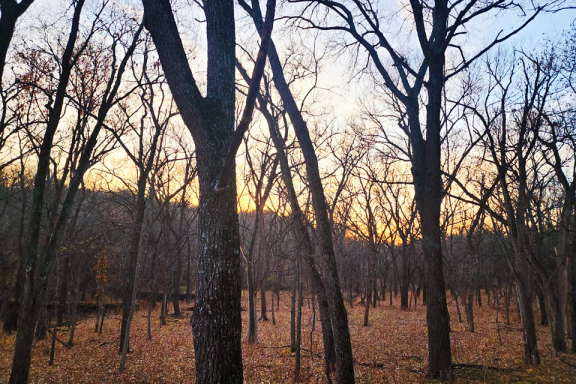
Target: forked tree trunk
<point>216,322</point>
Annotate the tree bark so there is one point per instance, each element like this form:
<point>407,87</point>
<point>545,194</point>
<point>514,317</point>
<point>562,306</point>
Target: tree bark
<point>10,11</point>
<point>339,316</point>
<point>29,308</point>
<point>216,322</point>
<point>426,172</point>
<point>251,336</point>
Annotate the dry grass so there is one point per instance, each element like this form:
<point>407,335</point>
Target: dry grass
<point>395,341</point>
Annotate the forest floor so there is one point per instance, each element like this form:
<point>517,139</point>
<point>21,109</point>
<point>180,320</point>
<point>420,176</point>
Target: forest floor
<point>392,349</point>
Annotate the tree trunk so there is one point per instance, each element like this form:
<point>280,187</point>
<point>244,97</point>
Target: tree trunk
<point>457,307</point>
<point>469,304</point>
<point>339,316</point>
<point>272,306</point>
<point>252,338</point>
<point>176,287</point>
<point>164,308</point>
<point>541,304</point>
<point>293,309</point>
<point>531,354</point>
<point>405,275</point>
<point>63,294</point>
<point>74,308</point>
<point>571,292</point>
<point>426,172</point>
<point>298,323</point>
<point>216,321</point>
<point>11,11</point>
<point>263,306</point>
<point>24,341</point>
<point>300,233</point>
<point>556,320</point>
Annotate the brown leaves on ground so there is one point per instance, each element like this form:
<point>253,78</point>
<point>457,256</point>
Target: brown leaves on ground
<point>392,349</point>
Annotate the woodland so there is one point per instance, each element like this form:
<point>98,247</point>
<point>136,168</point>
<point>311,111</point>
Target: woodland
<point>322,191</point>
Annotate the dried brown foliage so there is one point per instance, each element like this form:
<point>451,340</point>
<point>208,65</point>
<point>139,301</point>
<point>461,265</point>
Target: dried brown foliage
<point>391,350</point>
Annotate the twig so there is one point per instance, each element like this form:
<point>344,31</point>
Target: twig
<point>567,363</point>
<point>480,366</point>
<point>375,365</point>
<point>109,342</point>
<point>60,341</point>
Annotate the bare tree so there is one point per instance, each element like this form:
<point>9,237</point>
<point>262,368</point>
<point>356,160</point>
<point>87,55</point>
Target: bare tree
<point>210,119</point>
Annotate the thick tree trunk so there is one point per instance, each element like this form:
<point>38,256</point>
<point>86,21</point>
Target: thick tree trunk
<point>24,341</point>
<point>531,354</point>
<point>11,11</point>
<point>556,320</point>
<point>426,171</point>
<point>216,322</point>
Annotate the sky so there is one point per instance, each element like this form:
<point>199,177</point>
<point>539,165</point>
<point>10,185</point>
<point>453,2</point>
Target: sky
<point>342,100</point>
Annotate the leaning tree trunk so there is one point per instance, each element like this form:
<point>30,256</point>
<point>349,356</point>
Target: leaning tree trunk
<point>303,238</point>
<point>339,316</point>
